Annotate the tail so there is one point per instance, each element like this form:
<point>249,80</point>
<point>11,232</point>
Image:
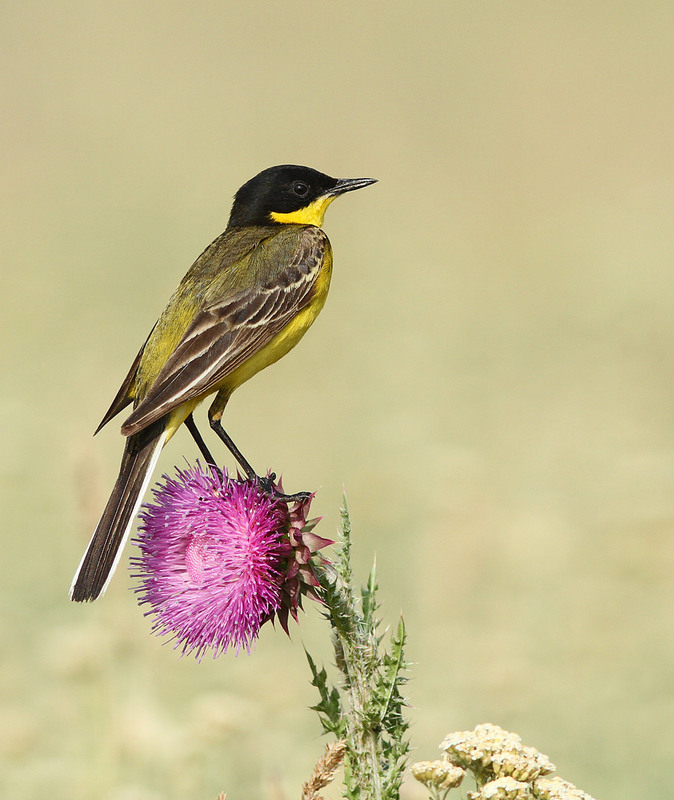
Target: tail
<point>106,545</point>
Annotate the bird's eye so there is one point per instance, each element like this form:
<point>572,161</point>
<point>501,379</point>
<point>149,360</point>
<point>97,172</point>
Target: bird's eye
<point>300,189</point>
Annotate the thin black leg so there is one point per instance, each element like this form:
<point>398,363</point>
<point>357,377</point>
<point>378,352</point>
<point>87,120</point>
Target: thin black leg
<point>267,483</point>
<point>191,426</point>
<point>201,444</point>
<point>233,449</point>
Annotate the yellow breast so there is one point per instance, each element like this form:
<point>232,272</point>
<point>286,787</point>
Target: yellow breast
<point>288,337</point>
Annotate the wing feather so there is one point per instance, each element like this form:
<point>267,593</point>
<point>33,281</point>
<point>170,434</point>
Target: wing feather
<point>125,394</point>
<point>229,331</point>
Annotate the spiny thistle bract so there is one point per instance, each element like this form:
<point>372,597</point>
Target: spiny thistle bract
<point>219,557</point>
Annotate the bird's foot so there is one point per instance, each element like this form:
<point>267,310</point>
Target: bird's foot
<point>267,484</point>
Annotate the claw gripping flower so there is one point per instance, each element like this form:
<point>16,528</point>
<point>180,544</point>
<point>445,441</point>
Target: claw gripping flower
<point>219,558</point>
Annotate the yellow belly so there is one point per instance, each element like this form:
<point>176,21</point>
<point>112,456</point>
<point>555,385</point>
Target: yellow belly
<point>286,339</point>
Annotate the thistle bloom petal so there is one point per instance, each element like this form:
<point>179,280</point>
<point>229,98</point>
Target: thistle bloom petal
<point>219,558</point>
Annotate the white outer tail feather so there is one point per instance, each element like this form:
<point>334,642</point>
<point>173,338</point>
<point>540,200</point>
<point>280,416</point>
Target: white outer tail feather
<point>161,439</point>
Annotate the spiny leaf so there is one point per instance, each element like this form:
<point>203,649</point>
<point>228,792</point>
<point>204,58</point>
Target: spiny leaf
<point>344,563</point>
<point>369,595</point>
<point>393,664</point>
<point>329,706</point>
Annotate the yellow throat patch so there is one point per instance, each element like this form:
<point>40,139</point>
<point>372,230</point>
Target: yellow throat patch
<point>309,215</point>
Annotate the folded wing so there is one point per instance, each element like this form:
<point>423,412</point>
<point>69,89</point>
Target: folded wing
<point>229,331</point>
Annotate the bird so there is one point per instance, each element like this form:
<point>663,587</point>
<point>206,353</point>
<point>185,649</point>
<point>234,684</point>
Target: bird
<point>244,303</point>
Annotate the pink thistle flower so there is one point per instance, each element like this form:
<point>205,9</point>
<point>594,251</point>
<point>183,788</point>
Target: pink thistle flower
<point>218,559</point>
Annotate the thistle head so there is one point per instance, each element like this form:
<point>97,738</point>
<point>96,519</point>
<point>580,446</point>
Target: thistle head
<point>219,557</point>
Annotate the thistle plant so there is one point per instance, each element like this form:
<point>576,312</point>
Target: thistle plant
<point>219,557</point>
<point>365,708</point>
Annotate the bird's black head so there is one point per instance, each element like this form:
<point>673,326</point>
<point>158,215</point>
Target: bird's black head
<point>289,194</point>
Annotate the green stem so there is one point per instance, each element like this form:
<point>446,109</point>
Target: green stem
<point>368,714</point>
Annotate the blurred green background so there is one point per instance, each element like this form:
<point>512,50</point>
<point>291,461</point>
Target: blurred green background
<point>492,379</point>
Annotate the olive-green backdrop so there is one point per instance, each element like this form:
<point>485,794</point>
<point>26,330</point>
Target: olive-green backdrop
<point>492,379</point>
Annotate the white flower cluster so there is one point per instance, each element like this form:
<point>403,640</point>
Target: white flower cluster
<point>503,768</point>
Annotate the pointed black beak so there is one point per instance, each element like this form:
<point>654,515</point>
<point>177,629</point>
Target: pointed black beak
<point>350,184</point>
